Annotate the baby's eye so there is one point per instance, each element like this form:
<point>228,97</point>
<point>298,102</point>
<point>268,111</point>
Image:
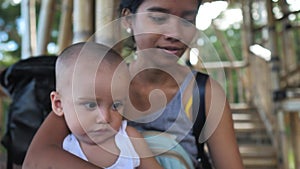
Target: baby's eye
<point>90,105</point>
<point>117,105</point>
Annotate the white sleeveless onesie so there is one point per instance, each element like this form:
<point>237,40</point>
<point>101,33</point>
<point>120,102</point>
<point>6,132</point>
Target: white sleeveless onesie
<point>128,158</point>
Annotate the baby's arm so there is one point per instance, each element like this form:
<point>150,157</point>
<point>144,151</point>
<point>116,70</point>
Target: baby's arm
<point>146,157</point>
<point>46,149</point>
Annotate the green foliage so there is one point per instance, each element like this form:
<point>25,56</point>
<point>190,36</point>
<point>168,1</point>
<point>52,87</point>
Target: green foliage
<point>10,38</point>
<point>233,37</point>
<point>10,30</point>
<point>9,11</point>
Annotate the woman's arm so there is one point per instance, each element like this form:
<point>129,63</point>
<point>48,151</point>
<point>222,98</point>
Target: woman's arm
<point>222,142</point>
<point>46,149</point>
<point>147,160</point>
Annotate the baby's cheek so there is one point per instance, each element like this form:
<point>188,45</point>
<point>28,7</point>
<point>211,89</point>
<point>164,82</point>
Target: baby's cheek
<point>76,126</point>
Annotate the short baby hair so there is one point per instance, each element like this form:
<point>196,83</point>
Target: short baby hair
<point>70,55</point>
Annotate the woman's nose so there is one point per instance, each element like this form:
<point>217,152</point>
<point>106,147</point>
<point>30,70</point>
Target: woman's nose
<point>174,30</point>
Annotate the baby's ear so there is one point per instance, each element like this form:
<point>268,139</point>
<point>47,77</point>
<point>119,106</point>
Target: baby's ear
<point>56,103</point>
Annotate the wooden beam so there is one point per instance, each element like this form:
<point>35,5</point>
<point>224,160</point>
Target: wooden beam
<point>290,105</point>
<point>224,65</point>
<point>290,74</point>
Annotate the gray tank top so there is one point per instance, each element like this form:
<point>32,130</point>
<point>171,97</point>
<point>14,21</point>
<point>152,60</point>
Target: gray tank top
<point>173,120</point>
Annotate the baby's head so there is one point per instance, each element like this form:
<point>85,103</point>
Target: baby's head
<point>91,89</point>
<point>83,58</point>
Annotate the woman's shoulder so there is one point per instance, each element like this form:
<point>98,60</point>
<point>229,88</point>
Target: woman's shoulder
<point>213,89</point>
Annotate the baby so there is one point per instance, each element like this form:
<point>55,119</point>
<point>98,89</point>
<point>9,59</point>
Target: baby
<point>91,91</point>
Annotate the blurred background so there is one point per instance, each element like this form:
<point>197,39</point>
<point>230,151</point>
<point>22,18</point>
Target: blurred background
<point>250,46</point>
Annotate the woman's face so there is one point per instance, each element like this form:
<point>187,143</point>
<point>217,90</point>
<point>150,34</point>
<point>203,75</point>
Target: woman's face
<point>167,25</point>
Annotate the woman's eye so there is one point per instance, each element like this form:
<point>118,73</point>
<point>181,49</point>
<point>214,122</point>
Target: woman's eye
<point>90,105</point>
<point>187,22</point>
<point>159,18</point>
<point>117,105</point>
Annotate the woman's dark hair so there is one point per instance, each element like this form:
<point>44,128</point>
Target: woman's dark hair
<point>133,5</point>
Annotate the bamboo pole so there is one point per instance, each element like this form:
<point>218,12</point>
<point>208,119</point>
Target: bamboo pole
<point>29,25</point>
<point>283,147</point>
<point>289,61</point>
<point>295,136</point>
<point>44,27</point>
<point>65,26</point>
<point>247,40</point>
<point>230,56</point>
<point>107,28</point>
<point>274,73</point>
<point>272,43</point>
<point>83,19</point>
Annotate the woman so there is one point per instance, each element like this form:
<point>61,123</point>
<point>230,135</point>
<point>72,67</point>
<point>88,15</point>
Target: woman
<point>161,31</point>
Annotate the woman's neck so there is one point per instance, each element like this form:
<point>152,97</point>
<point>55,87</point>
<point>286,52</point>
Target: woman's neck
<point>149,73</point>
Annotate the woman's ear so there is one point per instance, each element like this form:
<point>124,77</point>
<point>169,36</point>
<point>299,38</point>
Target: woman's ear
<point>127,18</point>
<point>56,103</point>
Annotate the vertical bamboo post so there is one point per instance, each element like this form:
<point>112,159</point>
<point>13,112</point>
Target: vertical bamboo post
<point>83,19</point>
<point>65,25</point>
<point>247,40</point>
<point>230,55</point>
<point>107,28</point>
<point>273,42</point>
<point>295,133</point>
<point>274,71</point>
<point>44,27</point>
<point>231,86</point>
<point>289,56</point>
<point>29,25</point>
<point>283,146</point>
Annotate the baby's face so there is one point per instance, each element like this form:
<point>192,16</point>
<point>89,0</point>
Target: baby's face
<point>96,101</point>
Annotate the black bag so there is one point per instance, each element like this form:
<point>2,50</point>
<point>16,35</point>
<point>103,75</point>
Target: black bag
<point>28,83</point>
<point>201,78</point>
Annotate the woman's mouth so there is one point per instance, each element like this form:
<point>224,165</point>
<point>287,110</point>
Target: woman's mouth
<point>171,50</point>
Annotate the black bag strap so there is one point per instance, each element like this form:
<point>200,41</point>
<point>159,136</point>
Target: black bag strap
<point>199,105</point>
